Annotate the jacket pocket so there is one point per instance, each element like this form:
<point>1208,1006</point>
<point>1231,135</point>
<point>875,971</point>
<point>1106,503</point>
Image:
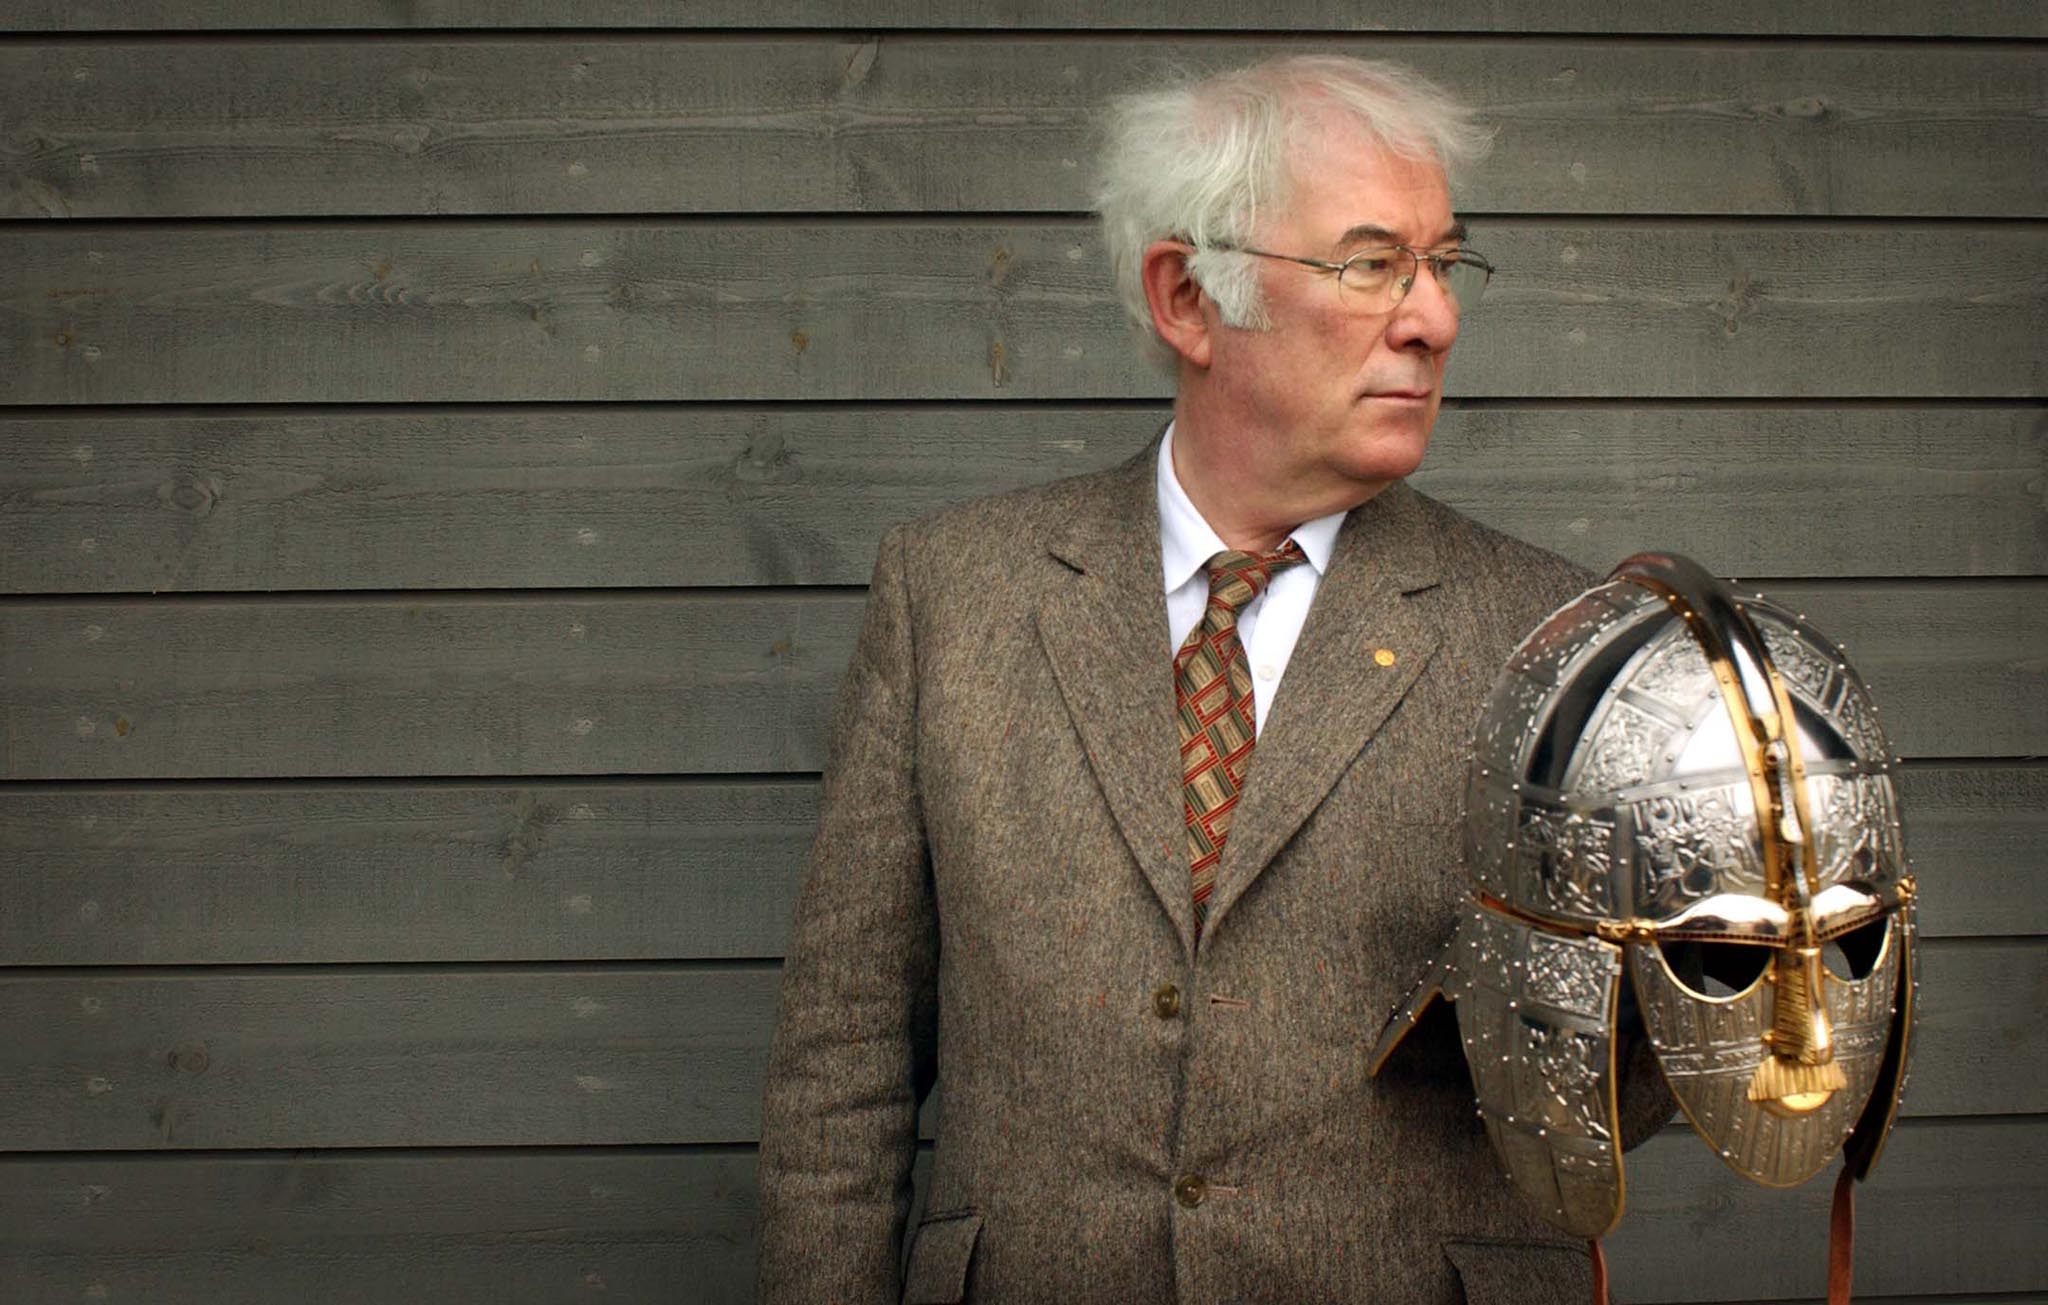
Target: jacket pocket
<point>1521,1273</point>
<point>939,1256</point>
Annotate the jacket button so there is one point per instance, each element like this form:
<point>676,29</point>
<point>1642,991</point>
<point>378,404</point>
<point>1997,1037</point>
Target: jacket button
<point>1189,1190</point>
<point>1166,1001</point>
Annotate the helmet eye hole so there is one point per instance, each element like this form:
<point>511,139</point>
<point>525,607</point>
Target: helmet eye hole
<point>1854,955</point>
<point>1715,971</point>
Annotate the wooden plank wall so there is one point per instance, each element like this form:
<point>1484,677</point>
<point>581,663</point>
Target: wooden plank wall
<point>442,447</point>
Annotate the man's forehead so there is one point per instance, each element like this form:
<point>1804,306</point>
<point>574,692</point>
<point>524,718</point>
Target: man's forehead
<point>1348,188</point>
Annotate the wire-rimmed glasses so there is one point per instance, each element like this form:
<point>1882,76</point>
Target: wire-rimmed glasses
<point>1377,279</point>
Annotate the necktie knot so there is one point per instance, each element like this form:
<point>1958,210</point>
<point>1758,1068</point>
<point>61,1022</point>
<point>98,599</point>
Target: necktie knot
<point>1236,578</point>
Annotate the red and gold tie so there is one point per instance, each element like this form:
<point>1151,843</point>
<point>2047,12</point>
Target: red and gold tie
<point>1213,689</point>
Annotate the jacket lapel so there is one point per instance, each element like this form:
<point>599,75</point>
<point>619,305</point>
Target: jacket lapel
<point>1336,692</point>
<point>1104,629</point>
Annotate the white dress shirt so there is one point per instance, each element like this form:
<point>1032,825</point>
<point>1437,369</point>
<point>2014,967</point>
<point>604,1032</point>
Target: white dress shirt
<point>1271,623</point>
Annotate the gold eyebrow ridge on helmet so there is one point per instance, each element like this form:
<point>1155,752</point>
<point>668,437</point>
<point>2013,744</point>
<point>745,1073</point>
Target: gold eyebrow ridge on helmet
<point>1824,926</point>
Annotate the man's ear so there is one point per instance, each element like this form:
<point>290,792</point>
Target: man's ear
<point>1176,301</point>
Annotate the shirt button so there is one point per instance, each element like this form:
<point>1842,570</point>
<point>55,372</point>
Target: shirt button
<point>1265,670</point>
<point>1189,1189</point>
<point>1166,1001</point>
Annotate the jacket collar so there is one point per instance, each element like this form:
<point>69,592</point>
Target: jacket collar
<point>1104,629</point>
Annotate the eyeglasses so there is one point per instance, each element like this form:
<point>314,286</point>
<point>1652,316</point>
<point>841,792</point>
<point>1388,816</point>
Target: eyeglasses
<point>1379,278</point>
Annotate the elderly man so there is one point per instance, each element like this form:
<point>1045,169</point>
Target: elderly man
<point>1142,811</point>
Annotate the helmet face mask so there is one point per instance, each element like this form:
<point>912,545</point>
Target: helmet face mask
<point>1773,1079</point>
<point>1681,801</point>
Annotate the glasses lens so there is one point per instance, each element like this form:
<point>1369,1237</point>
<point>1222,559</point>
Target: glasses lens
<point>1375,278</point>
<point>1465,280</point>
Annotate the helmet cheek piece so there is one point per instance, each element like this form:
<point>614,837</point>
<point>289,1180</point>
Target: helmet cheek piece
<point>1537,1012</point>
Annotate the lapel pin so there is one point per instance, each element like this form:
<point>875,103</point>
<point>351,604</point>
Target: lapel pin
<point>1383,656</point>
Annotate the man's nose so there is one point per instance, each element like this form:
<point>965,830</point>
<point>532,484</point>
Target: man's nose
<point>1427,316</point>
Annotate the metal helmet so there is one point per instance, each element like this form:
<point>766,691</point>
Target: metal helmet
<point>1688,790</point>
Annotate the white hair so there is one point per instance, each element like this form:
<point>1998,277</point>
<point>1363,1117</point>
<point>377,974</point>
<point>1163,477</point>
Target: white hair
<point>1205,159</point>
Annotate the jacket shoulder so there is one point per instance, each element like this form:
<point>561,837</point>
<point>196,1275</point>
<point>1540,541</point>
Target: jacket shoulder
<point>999,536</point>
<point>1519,582</point>
<point>1474,549</point>
<point>1014,516</point>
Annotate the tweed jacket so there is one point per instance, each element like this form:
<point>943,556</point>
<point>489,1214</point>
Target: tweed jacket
<point>998,902</point>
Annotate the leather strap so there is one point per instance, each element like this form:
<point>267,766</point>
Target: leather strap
<point>1600,1273</point>
<point>1842,1240</point>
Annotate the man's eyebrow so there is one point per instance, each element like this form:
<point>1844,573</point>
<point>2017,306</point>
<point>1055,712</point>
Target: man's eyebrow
<point>1366,233</point>
<point>1371,233</point>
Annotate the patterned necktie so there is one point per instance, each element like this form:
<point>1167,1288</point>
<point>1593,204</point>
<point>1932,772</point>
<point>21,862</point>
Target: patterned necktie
<point>1213,690</point>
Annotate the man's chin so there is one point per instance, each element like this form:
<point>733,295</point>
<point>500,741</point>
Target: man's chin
<point>1390,456</point>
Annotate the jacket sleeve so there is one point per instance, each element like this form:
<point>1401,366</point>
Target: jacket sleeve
<point>854,1047</point>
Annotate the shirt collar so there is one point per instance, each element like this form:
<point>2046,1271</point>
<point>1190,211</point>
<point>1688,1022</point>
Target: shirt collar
<point>1187,542</point>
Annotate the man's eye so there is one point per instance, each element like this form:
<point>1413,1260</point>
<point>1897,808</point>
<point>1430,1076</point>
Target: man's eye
<point>1373,262</point>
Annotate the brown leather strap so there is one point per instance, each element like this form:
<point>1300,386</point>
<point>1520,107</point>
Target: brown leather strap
<point>1842,1240</point>
<point>1599,1272</point>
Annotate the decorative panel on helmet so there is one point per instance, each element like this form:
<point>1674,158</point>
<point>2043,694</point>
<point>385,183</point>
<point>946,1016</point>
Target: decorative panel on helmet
<point>1691,844</point>
<point>1855,829</point>
<point>1626,745</point>
<point>1818,672</point>
<point>1536,1013</point>
<point>1564,861</point>
<point>1674,671</point>
<point>1574,628</point>
<point>1509,726</point>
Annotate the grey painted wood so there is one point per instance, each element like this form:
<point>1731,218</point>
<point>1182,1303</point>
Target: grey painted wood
<point>360,1057</point>
<point>703,682</point>
<point>989,122</point>
<point>300,872</point>
<point>558,496</point>
<point>476,1056</point>
<point>423,310</point>
<point>479,685</point>
<point>537,1228</point>
<point>1744,17</point>
<point>586,495</point>
<point>1978,839</point>
<point>255,874</point>
<point>644,1224</point>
